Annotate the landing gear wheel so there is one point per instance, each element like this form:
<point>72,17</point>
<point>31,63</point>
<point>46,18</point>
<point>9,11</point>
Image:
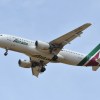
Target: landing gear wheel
<point>34,64</point>
<point>43,69</point>
<point>6,53</point>
<point>55,57</point>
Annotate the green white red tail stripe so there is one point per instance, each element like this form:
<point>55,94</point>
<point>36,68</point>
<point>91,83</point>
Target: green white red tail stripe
<point>90,59</point>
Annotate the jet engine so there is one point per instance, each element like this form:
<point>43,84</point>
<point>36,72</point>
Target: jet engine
<point>24,63</point>
<point>42,45</point>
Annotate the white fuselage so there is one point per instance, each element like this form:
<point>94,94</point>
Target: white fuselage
<point>28,47</point>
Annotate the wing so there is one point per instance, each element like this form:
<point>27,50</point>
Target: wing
<point>68,37</point>
<point>36,70</point>
<point>38,66</point>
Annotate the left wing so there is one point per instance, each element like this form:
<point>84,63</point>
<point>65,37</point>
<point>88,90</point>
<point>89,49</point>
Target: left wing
<point>68,37</point>
<point>38,66</point>
<point>36,70</point>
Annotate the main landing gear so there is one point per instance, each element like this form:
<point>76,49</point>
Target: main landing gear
<point>55,57</point>
<point>43,69</point>
<point>6,53</point>
<point>40,64</point>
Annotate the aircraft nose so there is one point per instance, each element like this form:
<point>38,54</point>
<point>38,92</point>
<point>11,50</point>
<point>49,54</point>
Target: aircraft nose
<point>0,36</point>
<point>2,40</point>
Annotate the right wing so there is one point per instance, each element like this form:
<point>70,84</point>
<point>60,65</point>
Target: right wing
<point>68,37</point>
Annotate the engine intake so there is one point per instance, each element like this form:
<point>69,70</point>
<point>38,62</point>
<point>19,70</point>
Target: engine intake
<point>42,45</point>
<point>24,64</point>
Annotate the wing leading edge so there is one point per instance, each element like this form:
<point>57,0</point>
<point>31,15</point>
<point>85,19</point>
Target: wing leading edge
<point>68,37</point>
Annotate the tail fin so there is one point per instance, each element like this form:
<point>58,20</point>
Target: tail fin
<point>95,68</point>
<point>93,58</point>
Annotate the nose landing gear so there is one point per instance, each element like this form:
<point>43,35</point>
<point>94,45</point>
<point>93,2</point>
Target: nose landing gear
<point>6,53</point>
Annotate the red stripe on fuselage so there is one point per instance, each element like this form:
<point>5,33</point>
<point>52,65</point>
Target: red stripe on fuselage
<point>93,62</point>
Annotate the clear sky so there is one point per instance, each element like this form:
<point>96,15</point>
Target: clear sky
<point>45,20</point>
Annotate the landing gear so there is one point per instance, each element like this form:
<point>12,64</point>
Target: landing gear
<point>43,69</point>
<point>55,57</point>
<point>6,53</point>
<point>34,64</point>
<point>40,65</point>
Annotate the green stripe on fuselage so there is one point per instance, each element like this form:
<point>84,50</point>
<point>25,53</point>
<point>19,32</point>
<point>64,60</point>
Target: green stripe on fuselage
<point>89,55</point>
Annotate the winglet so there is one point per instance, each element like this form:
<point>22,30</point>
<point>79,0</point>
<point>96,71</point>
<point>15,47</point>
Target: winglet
<point>83,27</point>
<point>88,24</point>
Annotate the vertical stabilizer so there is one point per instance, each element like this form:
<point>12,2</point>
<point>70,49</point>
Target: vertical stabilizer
<point>92,59</point>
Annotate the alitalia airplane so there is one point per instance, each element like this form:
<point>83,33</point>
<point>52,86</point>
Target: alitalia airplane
<point>41,53</point>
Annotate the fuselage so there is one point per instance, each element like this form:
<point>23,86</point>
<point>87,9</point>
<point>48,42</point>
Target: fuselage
<point>40,53</point>
<point>28,47</point>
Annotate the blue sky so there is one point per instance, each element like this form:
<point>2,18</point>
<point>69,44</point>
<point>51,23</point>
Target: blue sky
<point>45,20</point>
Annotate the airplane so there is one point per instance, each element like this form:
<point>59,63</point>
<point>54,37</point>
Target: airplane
<point>41,53</point>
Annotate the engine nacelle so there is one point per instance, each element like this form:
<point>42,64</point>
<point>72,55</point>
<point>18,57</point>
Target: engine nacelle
<point>24,64</point>
<point>42,45</point>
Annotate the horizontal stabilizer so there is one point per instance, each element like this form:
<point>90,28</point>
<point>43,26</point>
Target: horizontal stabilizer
<point>95,68</point>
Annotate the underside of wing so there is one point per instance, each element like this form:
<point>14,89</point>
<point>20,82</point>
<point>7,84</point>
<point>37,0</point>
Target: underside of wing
<point>68,37</point>
<point>36,70</point>
<point>38,66</point>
